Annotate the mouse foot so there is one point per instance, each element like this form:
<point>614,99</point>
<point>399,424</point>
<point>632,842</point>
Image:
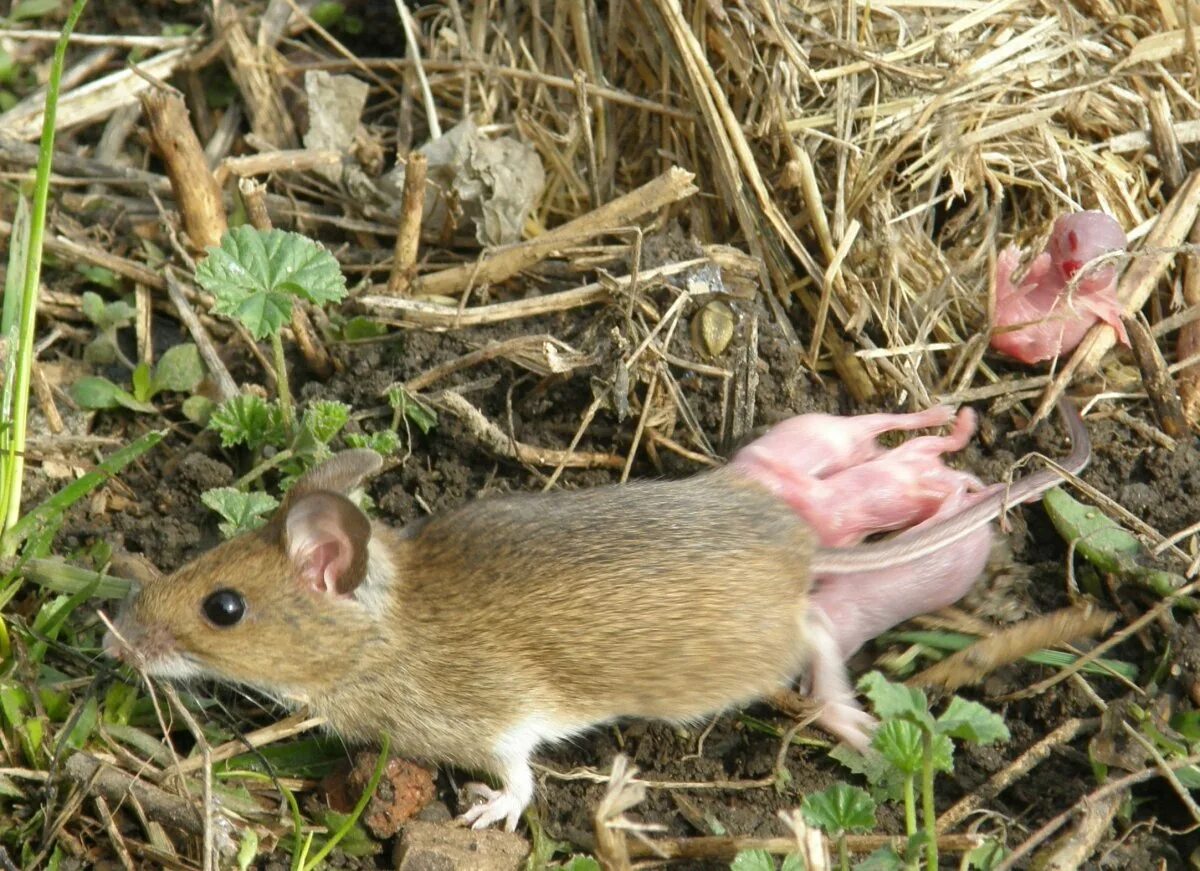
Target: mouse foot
<point>498,804</point>
<point>848,722</point>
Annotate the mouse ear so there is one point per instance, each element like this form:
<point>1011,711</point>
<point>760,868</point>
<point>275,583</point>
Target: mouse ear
<point>326,537</point>
<point>341,473</point>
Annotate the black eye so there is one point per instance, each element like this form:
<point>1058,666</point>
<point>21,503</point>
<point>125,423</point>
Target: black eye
<point>224,607</point>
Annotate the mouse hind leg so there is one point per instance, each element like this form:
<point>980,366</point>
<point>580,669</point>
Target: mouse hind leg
<point>506,804</point>
<point>829,685</point>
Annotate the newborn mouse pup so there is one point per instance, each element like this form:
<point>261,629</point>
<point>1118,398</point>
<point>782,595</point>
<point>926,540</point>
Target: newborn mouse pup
<point>473,637</point>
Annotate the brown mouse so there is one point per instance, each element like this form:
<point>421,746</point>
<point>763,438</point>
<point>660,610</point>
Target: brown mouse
<point>474,637</point>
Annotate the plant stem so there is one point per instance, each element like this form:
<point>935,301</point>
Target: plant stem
<point>843,852</point>
<point>364,799</point>
<point>14,463</point>
<point>281,382</point>
<point>910,814</point>
<point>262,468</point>
<point>930,811</point>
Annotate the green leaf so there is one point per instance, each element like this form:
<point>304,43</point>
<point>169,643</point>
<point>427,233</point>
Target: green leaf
<point>892,700</point>
<point>100,351</point>
<point>900,743</point>
<point>840,808</point>
<point>883,859</point>
<point>254,274</point>
<point>581,863</point>
<point>971,721</point>
<point>752,860</point>
<point>247,849</point>
<point>987,855</point>
<point>1103,542</point>
<point>420,414</point>
<point>25,10</point>
<point>385,442</point>
<point>943,753</point>
<point>85,725</point>
<point>198,409</point>
<point>242,511</point>
<point>356,841</point>
<point>325,419</point>
<point>359,327</point>
<point>95,393</point>
<point>886,781</point>
<point>141,383</point>
<point>107,316</point>
<point>179,369</point>
<point>248,420</point>
<point>792,862</point>
<point>98,275</point>
<point>92,305</point>
<point>328,14</point>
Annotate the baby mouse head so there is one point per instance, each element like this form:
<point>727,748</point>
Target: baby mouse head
<point>1081,237</point>
<point>280,608</point>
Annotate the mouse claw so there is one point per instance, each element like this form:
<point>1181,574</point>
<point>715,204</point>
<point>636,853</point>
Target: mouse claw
<point>497,805</point>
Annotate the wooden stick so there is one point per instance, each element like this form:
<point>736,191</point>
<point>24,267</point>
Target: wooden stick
<point>673,185</point>
<point>413,312</point>
<point>226,386</point>
<point>408,238</point>
<point>195,189</point>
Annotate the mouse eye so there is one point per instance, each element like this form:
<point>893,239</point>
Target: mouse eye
<point>224,608</point>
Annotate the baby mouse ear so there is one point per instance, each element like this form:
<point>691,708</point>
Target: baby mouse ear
<point>326,537</point>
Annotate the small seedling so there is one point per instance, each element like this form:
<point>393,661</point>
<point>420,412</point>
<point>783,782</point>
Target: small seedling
<point>248,420</point>
<point>108,318</point>
<point>179,370</point>
<point>910,741</point>
<point>385,442</point>
<point>253,422</point>
<point>838,810</point>
<point>242,511</point>
<point>409,409</point>
<point>256,276</point>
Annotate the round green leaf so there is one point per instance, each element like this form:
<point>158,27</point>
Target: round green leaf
<point>180,369</point>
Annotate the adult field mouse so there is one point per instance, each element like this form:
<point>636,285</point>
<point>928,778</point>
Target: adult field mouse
<point>473,637</point>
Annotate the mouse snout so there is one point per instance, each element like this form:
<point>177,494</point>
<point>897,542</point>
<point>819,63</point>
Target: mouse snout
<point>129,642</point>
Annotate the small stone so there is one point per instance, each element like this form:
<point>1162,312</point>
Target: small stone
<point>403,791</point>
<point>442,847</point>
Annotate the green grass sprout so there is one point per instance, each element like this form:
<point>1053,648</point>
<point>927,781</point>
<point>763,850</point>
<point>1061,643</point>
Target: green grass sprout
<point>12,436</point>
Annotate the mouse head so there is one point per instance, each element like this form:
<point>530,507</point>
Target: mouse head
<point>281,607</point>
<point>1082,237</point>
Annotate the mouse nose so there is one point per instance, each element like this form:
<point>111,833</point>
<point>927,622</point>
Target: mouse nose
<point>112,646</point>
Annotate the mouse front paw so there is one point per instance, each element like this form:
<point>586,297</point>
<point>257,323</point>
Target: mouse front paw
<point>497,805</point>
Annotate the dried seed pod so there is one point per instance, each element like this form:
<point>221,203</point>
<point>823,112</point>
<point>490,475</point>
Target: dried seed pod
<point>712,328</point>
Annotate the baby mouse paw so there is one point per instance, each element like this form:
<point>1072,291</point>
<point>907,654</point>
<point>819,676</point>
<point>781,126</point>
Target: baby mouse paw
<point>848,722</point>
<point>498,804</point>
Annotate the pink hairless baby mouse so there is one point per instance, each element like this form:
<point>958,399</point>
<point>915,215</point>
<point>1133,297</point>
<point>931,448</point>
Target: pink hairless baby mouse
<point>1054,306</point>
<point>849,495</point>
